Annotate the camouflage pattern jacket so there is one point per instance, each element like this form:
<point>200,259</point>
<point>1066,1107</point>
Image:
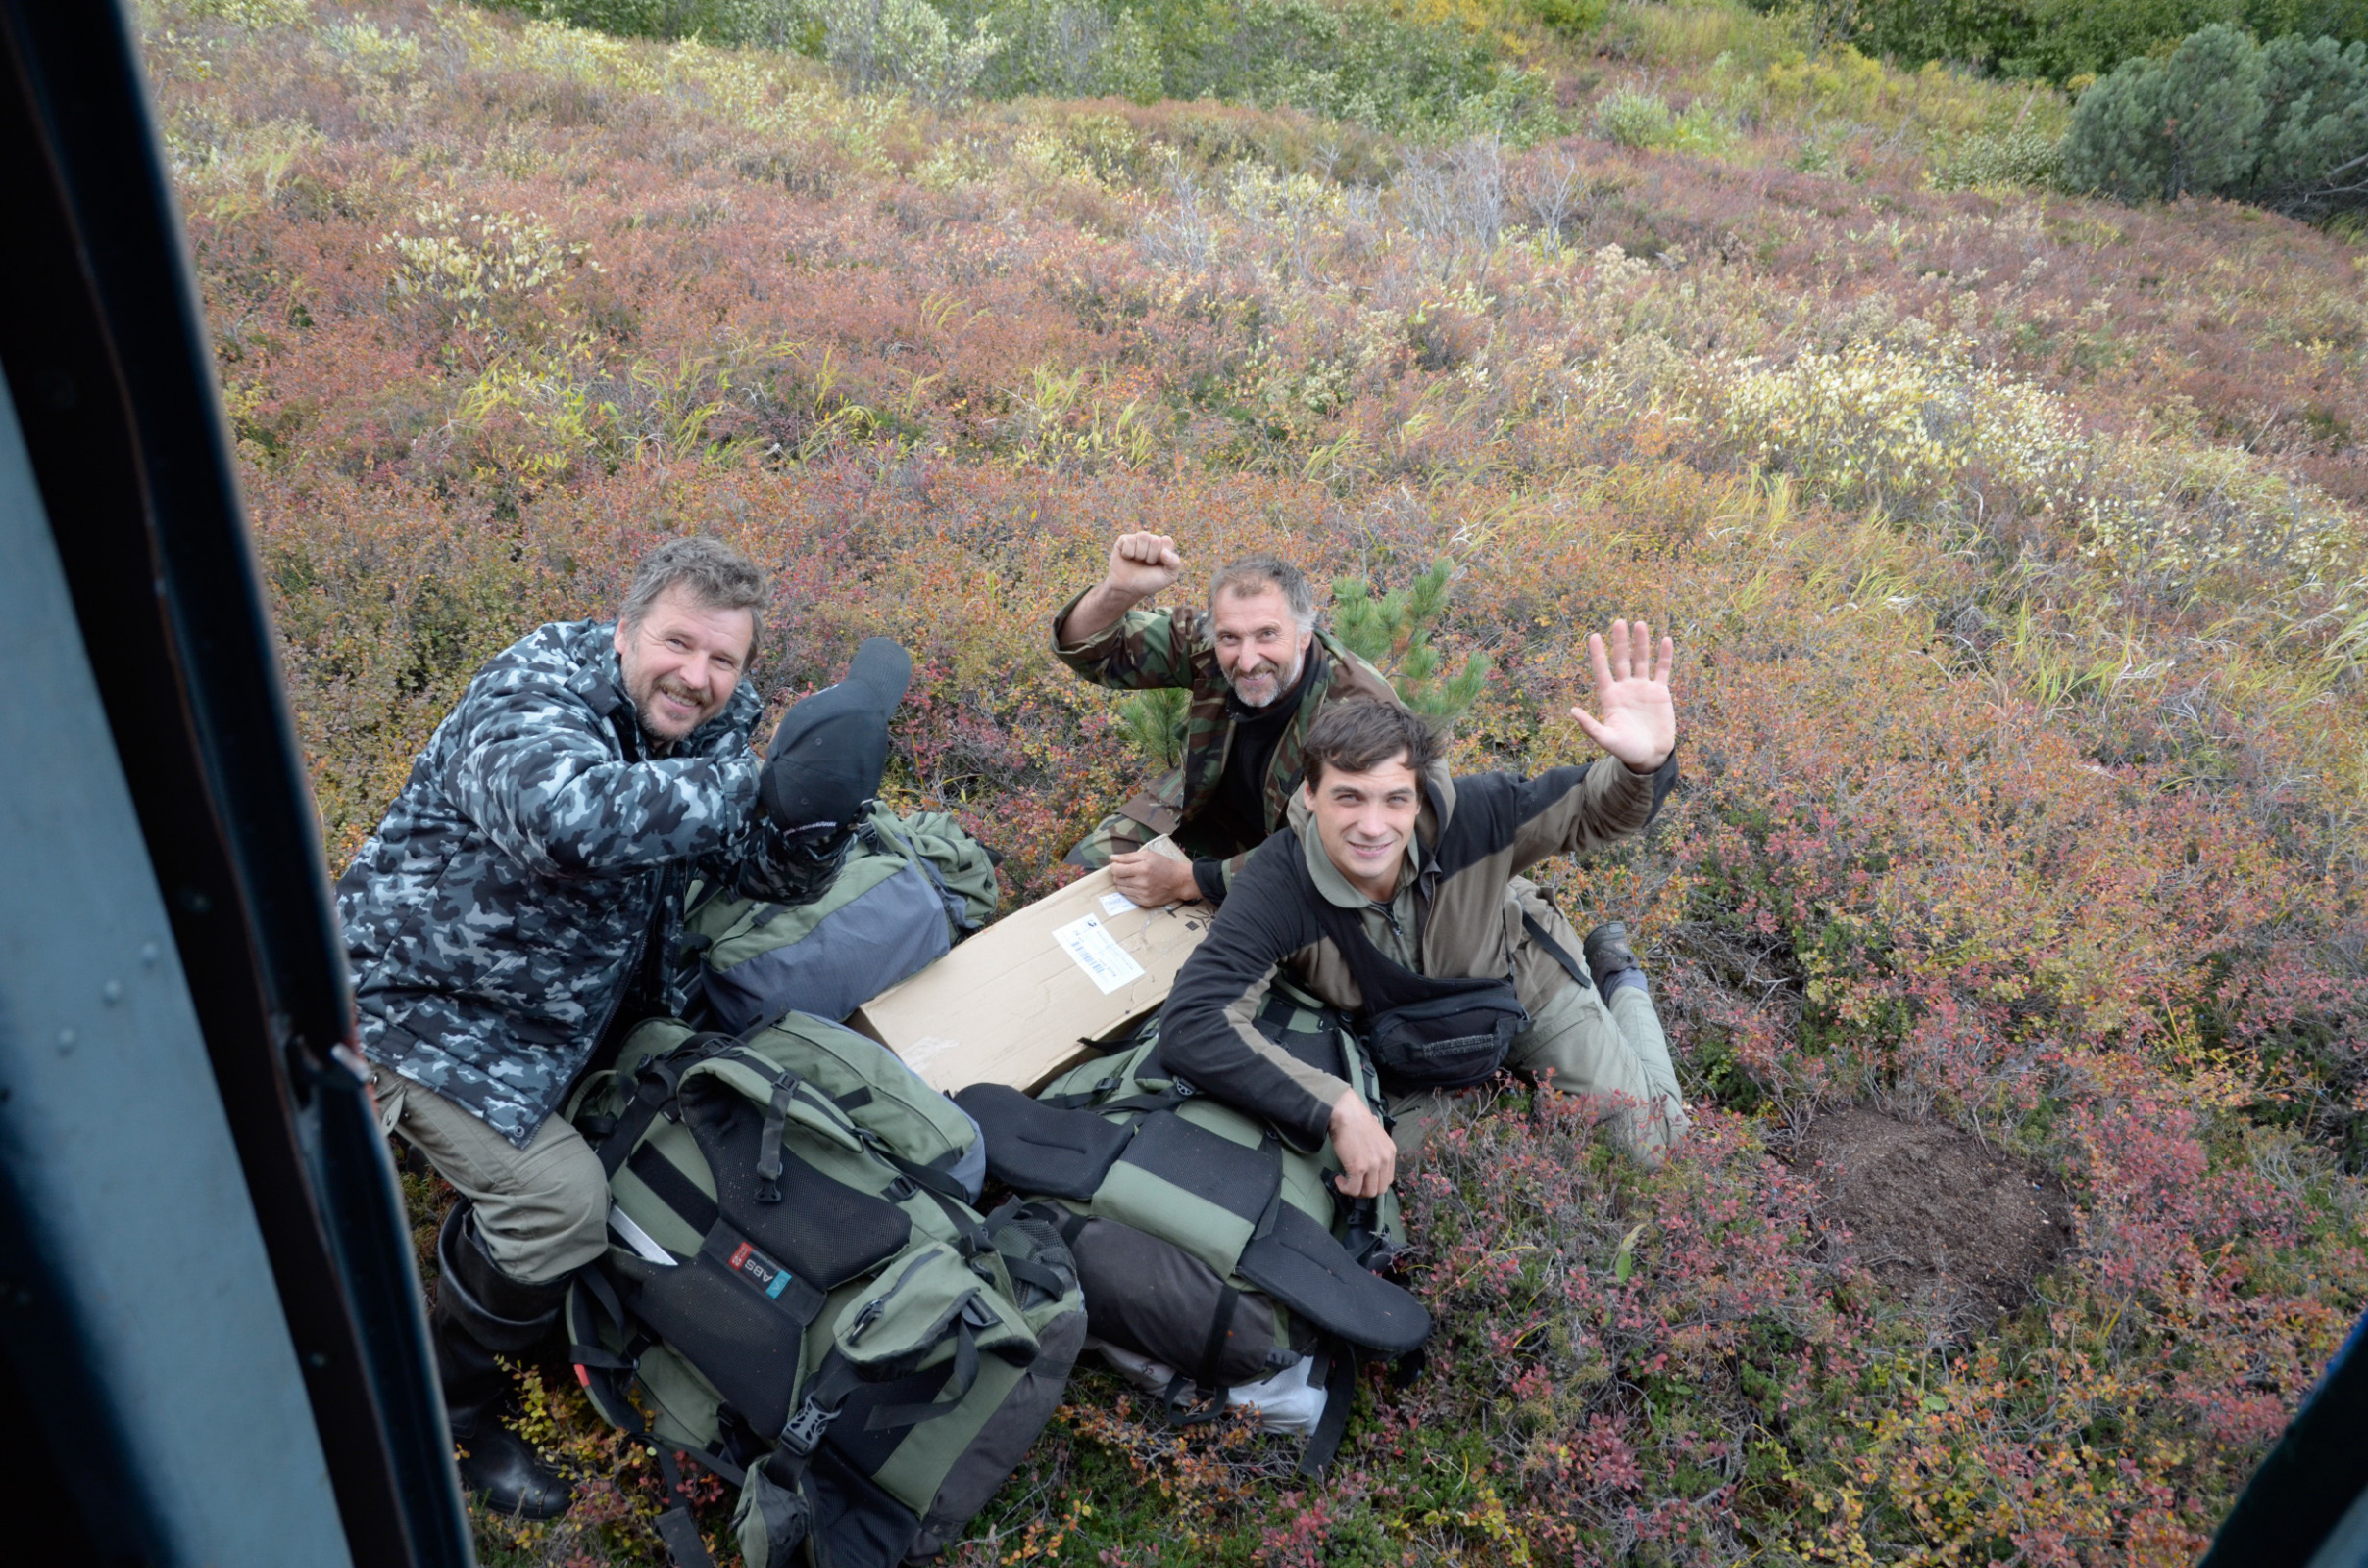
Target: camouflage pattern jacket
<point>497,918</point>
<point>1173,648</point>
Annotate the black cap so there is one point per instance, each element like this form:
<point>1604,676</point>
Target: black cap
<point>826,757</point>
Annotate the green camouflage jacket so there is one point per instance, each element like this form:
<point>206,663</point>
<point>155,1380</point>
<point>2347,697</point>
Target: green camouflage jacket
<point>1172,647</point>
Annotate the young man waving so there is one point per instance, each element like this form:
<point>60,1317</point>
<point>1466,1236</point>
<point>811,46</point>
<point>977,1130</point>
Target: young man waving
<point>1397,898</point>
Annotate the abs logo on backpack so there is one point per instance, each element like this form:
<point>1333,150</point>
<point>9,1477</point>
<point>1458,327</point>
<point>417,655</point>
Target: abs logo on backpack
<point>758,1270</point>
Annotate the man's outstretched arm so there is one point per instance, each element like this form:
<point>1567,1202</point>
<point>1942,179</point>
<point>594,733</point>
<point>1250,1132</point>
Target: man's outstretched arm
<point>1140,565</point>
<point>535,774</point>
<point>1100,634</point>
<point>1639,725</point>
<point>1571,810</point>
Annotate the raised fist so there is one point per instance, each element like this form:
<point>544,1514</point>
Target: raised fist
<point>1142,563</point>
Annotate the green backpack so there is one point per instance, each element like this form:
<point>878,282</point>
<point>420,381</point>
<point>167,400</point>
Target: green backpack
<point>911,887</point>
<point>803,1298</point>
<point>1205,1241</point>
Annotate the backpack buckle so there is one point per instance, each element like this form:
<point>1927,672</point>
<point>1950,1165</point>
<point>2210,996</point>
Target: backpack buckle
<point>806,1429</point>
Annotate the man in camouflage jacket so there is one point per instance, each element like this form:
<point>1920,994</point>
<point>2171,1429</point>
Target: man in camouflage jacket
<point>1258,672</point>
<point>521,893</point>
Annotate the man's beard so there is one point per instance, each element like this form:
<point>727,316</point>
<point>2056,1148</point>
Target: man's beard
<point>1282,681</point>
<point>645,704</point>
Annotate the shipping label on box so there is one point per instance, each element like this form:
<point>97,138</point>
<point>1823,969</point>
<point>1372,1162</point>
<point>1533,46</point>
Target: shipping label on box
<point>1018,1002</point>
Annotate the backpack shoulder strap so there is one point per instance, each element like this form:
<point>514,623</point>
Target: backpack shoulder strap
<point>655,1084</point>
<point>605,1378</point>
<point>1555,951</point>
<point>1375,984</point>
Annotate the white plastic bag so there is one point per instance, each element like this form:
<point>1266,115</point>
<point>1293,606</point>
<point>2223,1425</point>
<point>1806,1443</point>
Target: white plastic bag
<point>1285,1402</point>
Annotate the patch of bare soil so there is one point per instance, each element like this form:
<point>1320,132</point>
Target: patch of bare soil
<point>1934,1213</point>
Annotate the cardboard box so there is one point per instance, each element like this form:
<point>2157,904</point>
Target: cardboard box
<point>1017,1003</point>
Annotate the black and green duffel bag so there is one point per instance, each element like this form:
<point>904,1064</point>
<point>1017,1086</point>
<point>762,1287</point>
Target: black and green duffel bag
<point>1204,1241</point>
<point>803,1298</point>
<point>912,886</point>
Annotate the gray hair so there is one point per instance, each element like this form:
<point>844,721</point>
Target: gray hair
<point>717,577</point>
<point>1256,574</point>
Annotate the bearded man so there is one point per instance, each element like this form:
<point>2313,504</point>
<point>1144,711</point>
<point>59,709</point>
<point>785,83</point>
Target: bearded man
<point>1259,671</point>
<point>516,911</point>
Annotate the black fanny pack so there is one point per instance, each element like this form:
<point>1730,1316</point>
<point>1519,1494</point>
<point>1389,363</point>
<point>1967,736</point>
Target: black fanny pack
<point>1422,1031</point>
<point>1446,1041</point>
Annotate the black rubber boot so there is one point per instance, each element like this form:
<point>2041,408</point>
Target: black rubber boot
<point>481,1313</point>
<point>1609,954</point>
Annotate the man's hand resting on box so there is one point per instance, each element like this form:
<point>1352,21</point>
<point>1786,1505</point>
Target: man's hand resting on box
<point>1368,1158</point>
<point>1153,880</point>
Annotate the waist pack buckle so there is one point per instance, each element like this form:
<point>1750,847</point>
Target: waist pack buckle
<point>806,1428</point>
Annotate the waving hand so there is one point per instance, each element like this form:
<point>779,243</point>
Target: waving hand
<point>1638,722</point>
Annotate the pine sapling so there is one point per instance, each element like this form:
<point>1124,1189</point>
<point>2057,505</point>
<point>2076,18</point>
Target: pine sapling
<point>1393,633</point>
<point>1154,720</point>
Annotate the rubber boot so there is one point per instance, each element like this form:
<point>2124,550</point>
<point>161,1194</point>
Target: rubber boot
<point>481,1314</point>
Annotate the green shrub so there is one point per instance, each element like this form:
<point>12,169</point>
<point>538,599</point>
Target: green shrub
<point>1346,62</point>
<point>1350,62</point>
<point>904,45</point>
<point>1634,118</point>
<point>2060,40</point>
<point>2314,134</point>
<point>1070,49</point>
<point>1393,632</point>
<point>792,23</point>
<point>1997,34</point>
<point>1154,720</point>
<point>1356,61</point>
<point>2285,126</point>
<point>2075,37</point>
<point>2015,158</point>
<point>2165,128</point>
<point>1575,18</point>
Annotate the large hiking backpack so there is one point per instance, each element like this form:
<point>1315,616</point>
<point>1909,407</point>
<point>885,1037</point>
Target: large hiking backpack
<point>911,887</point>
<point>1205,1241</point>
<point>799,1289</point>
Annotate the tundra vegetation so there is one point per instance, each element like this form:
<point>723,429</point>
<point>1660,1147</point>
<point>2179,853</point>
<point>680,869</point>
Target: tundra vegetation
<point>2012,541</point>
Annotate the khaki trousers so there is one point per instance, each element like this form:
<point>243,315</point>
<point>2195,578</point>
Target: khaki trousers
<point>543,1211</point>
<point>1616,1054</point>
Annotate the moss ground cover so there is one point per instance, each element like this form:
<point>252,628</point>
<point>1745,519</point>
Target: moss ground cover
<point>2013,545</point>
